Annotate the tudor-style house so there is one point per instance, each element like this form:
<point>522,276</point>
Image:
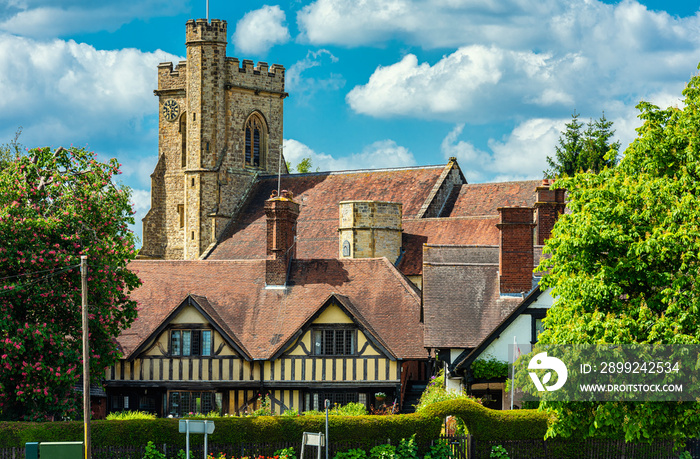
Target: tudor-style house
<point>305,287</point>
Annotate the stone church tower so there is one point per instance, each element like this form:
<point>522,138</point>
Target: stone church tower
<point>220,126</point>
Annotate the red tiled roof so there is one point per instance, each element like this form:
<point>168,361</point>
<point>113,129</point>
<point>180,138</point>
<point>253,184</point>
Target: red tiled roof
<point>319,195</point>
<point>481,199</point>
<point>262,320</point>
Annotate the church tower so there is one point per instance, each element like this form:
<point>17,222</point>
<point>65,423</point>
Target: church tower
<point>220,126</point>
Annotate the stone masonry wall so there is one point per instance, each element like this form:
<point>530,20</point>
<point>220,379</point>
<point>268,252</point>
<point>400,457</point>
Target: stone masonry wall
<point>215,97</point>
<point>371,228</point>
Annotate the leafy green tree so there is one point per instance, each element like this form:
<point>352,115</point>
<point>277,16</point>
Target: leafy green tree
<point>625,267</point>
<point>302,167</point>
<point>55,207</point>
<point>580,151</point>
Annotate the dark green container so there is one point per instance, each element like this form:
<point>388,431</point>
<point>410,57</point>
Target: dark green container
<point>61,450</point>
<point>31,450</point>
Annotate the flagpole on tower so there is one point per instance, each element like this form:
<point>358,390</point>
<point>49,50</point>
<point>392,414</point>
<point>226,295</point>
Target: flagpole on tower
<point>207,10</point>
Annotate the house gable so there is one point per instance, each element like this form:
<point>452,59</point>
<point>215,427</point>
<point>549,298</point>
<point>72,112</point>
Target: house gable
<point>336,313</point>
<point>193,313</point>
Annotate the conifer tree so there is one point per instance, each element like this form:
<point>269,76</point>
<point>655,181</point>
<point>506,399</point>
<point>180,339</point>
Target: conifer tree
<point>590,149</point>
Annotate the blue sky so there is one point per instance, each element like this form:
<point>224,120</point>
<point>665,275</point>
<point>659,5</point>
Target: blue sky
<point>372,83</point>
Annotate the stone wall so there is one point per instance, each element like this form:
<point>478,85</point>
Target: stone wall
<point>370,229</point>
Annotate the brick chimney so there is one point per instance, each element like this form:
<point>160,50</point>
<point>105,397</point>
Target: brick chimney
<point>281,212</point>
<point>516,259</point>
<point>550,204</point>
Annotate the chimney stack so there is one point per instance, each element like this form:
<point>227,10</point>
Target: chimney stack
<point>281,212</point>
<point>550,204</point>
<point>516,259</point>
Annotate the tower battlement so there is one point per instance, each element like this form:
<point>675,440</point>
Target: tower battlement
<point>200,30</point>
<point>261,76</point>
<point>171,78</point>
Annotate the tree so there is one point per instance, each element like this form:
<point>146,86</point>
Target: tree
<point>579,151</point>
<point>625,266</point>
<point>55,207</point>
<point>303,167</point>
<point>11,150</point>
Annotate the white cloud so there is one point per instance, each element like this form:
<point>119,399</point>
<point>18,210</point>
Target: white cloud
<point>259,30</point>
<point>379,154</point>
<point>42,18</point>
<point>474,82</point>
<point>303,86</point>
<point>519,156</point>
<point>542,57</point>
<point>516,24</point>
<point>63,91</point>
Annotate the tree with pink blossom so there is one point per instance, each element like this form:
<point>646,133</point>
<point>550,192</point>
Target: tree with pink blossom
<point>54,207</point>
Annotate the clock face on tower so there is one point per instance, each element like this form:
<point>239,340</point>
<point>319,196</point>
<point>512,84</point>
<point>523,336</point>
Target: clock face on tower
<point>171,110</point>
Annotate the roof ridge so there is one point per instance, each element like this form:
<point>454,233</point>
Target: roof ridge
<point>461,217</point>
<point>407,285</point>
<point>498,183</point>
<point>352,171</point>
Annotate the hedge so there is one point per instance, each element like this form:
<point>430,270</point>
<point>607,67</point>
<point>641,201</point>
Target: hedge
<point>487,425</point>
<point>482,422</point>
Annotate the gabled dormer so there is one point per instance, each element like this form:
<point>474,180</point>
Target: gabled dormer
<point>193,329</point>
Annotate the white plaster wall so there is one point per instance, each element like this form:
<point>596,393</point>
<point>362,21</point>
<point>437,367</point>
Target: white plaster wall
<point>519,331</point>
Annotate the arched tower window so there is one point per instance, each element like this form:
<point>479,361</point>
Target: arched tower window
<point>255,141</point>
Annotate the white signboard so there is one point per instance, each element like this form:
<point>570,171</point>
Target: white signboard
<point>196,426</point>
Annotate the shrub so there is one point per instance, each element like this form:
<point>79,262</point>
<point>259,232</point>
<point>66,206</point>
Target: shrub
<point>152,452</point>
<point>351,409</point>
<point>351,454</point>
<point>407,448</point>
<point>129,415</point>
<point>440,450</point>
<point>436,392</point>
<point>499,451</point>
<point>383,452</point>
<point>489,369</point>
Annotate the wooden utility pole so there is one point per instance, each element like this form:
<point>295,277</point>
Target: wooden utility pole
<point>86,358</point>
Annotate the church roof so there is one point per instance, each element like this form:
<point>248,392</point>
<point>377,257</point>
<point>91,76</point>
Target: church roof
<point>263,320</point>
<point>469,215</point>
<point>319,195</point>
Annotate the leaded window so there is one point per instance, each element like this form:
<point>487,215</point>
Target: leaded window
<point>334,341</point>
<point>182,403</point>
<point>191,342</point>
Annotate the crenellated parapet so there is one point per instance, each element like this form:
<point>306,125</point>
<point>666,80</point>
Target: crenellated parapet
<point>170,78</point>
<point>200,30</point>
<point>247,75</point>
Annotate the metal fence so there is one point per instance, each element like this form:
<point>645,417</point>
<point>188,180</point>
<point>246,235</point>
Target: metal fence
<point>581,449</point>
<point>461,447</point>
